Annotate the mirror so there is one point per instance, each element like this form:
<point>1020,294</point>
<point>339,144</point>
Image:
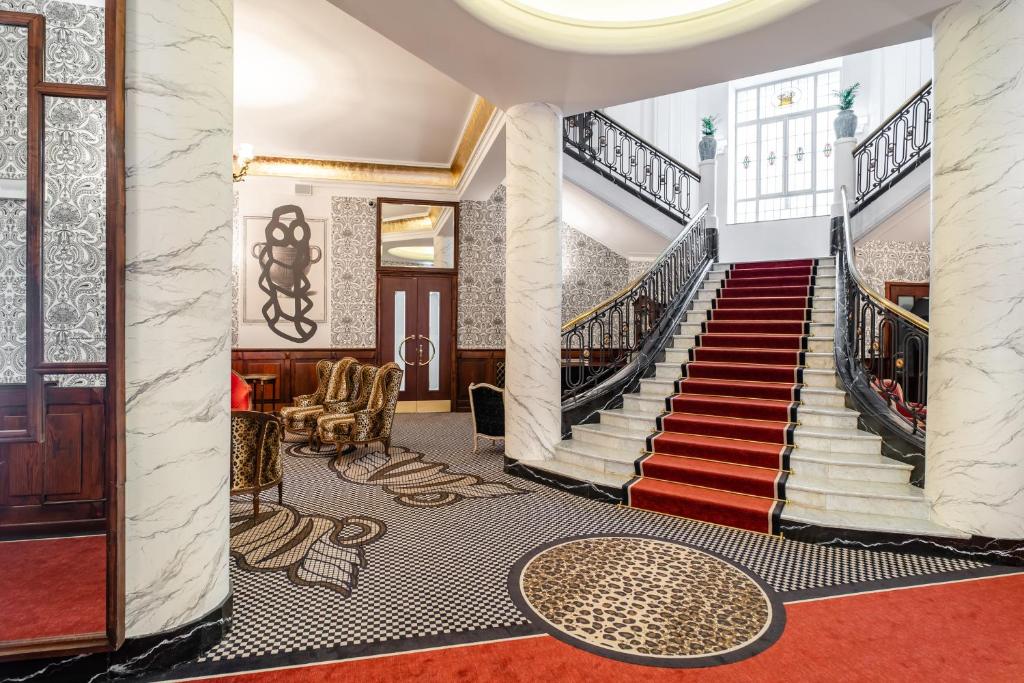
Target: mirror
<point>417,234</point>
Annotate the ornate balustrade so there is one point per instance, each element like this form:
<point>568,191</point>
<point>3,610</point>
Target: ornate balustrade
<point>895,148</point>
<point>881,349</point>
<point>602,341</point>
<point>605,146</point>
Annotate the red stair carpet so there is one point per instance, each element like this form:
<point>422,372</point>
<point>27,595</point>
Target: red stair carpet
<point>721,452</point>
<point>53,587</point>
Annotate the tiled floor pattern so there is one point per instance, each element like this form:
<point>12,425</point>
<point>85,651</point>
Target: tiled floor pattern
<point>450,537</point>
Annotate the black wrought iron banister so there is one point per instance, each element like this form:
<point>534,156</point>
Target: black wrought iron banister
<point>900,144</point>
<point>602,341</point>
<point>881,348</point>
<point>620,155</point>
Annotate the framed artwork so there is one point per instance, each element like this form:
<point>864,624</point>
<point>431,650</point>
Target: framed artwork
<point>284,273</point>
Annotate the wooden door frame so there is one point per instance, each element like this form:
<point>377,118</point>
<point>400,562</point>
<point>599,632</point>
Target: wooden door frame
<point>113,94</point>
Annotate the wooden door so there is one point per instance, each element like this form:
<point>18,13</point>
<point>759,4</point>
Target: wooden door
<point>415,330</point>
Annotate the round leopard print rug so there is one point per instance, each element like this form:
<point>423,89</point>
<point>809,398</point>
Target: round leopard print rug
<point>646,601</point>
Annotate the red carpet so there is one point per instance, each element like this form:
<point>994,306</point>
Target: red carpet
<point>968,631</point>
<point>55,586</point>
<point>721,452</point>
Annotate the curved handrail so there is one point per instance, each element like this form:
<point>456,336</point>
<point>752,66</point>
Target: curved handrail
<point>849,250</point>
<point>632,285</point>
<point>607,147</point>
<point>600,342</point>
<point>881,348</point>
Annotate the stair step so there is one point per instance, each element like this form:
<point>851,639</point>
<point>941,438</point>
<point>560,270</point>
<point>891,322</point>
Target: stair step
<point>815,377</point>
<point>857,467</point>
<point>601,459</point>
<point>822,396</point>
<point>870,497</point>
<point>752,481</point>
<point>568,469</point>
<point>837,440</point>
<point>630,420</point>
<point>633,443</point>
<point>795,513</point>
<point>827,416</point>
<point>703,504</point>
<point>643,404</point>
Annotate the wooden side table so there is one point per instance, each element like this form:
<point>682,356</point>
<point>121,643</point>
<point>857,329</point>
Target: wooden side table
<point>263,380</point>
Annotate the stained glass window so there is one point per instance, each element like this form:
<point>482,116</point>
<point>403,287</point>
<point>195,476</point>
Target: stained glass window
<point>783,165</point>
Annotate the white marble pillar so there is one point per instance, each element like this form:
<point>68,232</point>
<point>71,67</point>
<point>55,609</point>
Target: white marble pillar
<point>708,193</point>
<point>975,450</point>
<point>845,173</point>
<point>178,310</point>
<point>533,281</point>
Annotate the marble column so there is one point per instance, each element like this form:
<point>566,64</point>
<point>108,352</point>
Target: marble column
<point>845,174</point>
<point>533,281</point>
<point>708,192</point>
<point>974,474</point>
<point>178,310</point>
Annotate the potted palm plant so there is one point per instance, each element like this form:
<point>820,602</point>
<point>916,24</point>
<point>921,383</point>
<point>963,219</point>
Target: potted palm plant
<point>846,121</point>
<point>708,145</point>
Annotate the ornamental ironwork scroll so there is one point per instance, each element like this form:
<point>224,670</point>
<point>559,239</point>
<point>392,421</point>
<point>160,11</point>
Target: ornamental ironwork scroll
<point>895,148</point>
<point>285,259</point>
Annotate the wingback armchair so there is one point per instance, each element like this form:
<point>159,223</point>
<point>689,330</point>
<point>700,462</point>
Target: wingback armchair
<point>334,381</point>
<point>370,424</point>
<point>359,396</point>
<point>256,455</point>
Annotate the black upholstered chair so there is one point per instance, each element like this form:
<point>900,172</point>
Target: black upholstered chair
<point>487,403</point>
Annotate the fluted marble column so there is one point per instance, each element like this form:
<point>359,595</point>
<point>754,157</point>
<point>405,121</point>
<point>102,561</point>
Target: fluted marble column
<point>533,281</point>
<point>178,310</point>
<point>975,443</point>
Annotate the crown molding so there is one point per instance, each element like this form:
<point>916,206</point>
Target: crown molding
<point>477,133</point>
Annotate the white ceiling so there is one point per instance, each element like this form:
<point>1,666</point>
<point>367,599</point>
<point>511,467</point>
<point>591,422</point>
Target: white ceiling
<point>508,71</point>
<point>311,81</point>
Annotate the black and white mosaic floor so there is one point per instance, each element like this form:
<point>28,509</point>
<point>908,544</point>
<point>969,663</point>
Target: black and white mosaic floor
<point>372,553</point>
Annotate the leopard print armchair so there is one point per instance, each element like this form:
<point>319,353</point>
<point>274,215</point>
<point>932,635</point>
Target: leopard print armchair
<point>334,380</point>
<point>371,424</point>
<point>256,455</point>
<point>359,396</point>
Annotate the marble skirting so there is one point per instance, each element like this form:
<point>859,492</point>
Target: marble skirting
<point>993,550</point>
<point>137,659</point>
<point>586,489</point>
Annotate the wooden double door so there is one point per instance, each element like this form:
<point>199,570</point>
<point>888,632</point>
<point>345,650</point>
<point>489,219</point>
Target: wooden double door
<point>416,329</point>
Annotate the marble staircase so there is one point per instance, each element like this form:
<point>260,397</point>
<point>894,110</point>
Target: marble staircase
<point>838,476</point>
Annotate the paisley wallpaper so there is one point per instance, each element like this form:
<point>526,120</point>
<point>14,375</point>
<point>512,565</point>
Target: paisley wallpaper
<point>74,218</point>
<point>591,272</point>
<point>880,261</point>
<point>482,273</point>
<point>353,240</point>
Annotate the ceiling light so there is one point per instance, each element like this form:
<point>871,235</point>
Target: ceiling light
<point>634,27</point>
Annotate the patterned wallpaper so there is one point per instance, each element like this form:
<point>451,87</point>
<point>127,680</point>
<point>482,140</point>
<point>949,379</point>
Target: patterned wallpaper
<point>75,191</point>
<point>482,273</point>
<point>591,272</point>
<point>353,308</point>
<point>880,261</point>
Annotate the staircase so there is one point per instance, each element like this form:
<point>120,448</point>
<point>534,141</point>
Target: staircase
<point>744,423</point>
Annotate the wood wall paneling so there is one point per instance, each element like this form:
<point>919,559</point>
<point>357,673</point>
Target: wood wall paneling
<point>59,484</point>
<point>476,366</point>
<point>295,368</point>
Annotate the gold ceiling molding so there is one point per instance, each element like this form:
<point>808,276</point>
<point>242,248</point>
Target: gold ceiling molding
<point>385,174</point>
<point>390,226</point>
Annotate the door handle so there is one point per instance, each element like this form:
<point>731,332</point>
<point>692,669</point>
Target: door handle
<point>433,351</point>
<point>401,349</point>
<point>419,347</point>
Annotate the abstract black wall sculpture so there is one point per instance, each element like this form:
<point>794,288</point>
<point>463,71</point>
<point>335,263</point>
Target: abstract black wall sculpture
<point>285,259</point>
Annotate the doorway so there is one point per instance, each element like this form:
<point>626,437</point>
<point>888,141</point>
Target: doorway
<point>415,330</point>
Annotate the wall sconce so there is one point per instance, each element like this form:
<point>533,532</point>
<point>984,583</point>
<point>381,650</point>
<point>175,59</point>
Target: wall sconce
<point>245,155</point>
